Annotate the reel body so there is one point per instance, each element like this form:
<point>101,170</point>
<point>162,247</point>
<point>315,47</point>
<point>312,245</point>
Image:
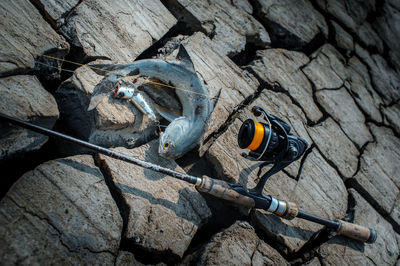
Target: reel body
<point>271,143</point>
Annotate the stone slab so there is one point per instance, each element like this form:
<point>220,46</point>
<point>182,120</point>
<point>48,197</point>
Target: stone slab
<point>60,213</point>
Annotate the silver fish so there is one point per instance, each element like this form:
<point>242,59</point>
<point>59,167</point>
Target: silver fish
<point>127,90</point>
<point>184,132</point>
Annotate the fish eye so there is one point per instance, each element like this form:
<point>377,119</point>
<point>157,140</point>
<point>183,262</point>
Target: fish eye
<point>166,145</point>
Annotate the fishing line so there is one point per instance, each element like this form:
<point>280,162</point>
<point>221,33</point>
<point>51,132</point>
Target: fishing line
<point>110,71</point>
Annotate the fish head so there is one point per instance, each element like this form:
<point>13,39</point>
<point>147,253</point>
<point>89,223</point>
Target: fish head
<point>172,143</point>
<point>124,91</point>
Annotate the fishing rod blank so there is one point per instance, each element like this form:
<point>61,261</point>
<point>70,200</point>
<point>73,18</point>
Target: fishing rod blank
<point>218,188</point>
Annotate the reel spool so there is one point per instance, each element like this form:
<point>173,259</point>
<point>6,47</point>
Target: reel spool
<point>270,142</point>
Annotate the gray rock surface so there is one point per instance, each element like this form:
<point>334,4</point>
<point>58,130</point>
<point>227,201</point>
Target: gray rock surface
<point>379,171</point>
<point>387,27</point>
<point>25,36</point>
<point>314,262</point>
<point>230,23</point>
<point>331,77</point>
<point>164,213</point>
<point>239,245</point>
<point>385,80</point>
<point>56,10</point>
<point>335,146</point>
<point>343,109</point>
<point>282,67</point>
<point>342,38</point>
<point>392,117</point>
<point>119,30</point>
<point>60,213</point>
<point>384,251</point>
<point>24,97</point>
<point>353,15</point>
<point>292,24</point>
<point>126,258</point>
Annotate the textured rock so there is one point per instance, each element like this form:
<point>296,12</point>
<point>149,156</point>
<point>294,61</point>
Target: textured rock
<point>343,109</point>
<point>353,15</point>
<point>392,117</point>
<point>344,251</point>
<point>60,213</point>
<point>379,171</point>
<point>335,146</point>
<point>358,83</point>
<point>56,10</point>
<point>342,38</point>
<point>330,70</point>
<point>328,73</point>
<point>318,181</point>
<point>24,97</point>
<point>239,245</point>
<point>326,69</point>
<point>279,66</point>
<point>291,24</point>
<point>126,258</point>
<point>314,262</point>
<point>119,30</point>
<point>387,27</point>
<point>164,213</point>
<point>25,36</point>
<point>228,22</point>
<point>386,81</point>
<point>114,122</point>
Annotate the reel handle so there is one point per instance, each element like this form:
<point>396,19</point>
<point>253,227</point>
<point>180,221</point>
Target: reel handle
<point>357,232</point>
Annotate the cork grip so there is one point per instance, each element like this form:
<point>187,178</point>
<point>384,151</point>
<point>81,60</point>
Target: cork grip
<point>291,211</point>
<point>221,189</point>
<point>357,232</point>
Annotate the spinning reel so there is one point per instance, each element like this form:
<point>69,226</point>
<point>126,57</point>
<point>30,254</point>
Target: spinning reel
<point>272,143</point>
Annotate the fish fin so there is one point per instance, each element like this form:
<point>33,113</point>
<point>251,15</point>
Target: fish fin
<point>168,114</point>
<point>184,57</point>
<point>95,100</point>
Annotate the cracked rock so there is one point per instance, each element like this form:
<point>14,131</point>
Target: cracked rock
<point>60,213</point>
<point>329,74</point>
<point>56,10</point>
<point>343,109</point>
<point>25,36</point>
<point>229,23</point>
<point>291,24</point>
<point>345,251</point>
<point>379,172</point>
<point>343,39</point>
<point>24,97</point>
<point>392,117</point>
<point>386,81</point>
<point>335,146</point>
<point>239,245</point>
<point>387,27</point>
<point>119,30</point>
<point>164,213</point>
<point>279,66</point>
<point>353,15</point>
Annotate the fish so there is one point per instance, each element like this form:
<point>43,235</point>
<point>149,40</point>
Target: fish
<point>185,130</point>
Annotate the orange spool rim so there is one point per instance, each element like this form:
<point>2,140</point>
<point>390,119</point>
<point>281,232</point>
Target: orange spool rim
<point>258,137</point>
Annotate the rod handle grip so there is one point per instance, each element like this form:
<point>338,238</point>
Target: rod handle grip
<point>222,190</point>
<point>357,232</point>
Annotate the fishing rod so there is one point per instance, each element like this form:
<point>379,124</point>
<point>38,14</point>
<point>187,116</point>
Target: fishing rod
<point>232,192</point>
